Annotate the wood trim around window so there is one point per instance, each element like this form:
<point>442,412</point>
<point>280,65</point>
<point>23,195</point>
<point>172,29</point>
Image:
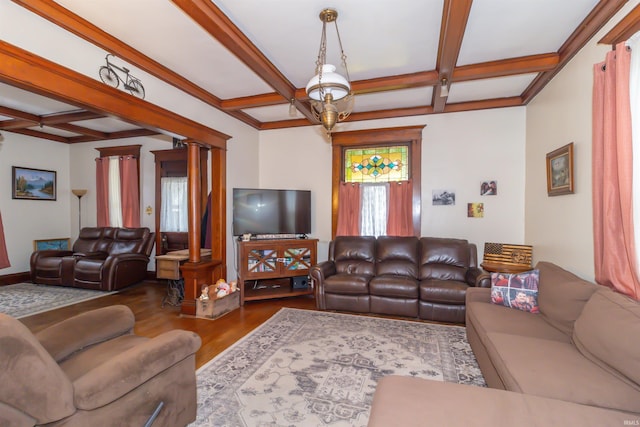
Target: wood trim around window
<point>373,137</point>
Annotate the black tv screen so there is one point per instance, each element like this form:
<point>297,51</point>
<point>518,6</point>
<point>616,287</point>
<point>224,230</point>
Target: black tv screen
<point>266,211</point>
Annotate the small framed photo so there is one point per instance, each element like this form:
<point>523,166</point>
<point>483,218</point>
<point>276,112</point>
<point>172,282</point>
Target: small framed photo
<point>475,210</point>
<point>62,244</point>
<point>33,184</point>
<point>443,197</point>
<point>560,171</point>
<point>489,188</point>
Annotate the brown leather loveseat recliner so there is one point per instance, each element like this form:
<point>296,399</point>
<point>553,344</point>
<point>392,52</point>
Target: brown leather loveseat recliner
<point>404,276</point>
<point>103,258</point>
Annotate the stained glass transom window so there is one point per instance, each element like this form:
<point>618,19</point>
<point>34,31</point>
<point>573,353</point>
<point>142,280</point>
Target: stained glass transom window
<point>376,164</point>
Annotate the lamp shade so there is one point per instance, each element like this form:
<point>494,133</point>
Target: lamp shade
<point>330,82</point>
<point>79,193</point>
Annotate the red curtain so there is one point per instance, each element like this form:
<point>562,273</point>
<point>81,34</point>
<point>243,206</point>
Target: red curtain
<point>614,249</point>
<point>4,256</point>
<point>130,192</point>
<point>348,210</point>
<point>400,218</point>
<point>102,191</point>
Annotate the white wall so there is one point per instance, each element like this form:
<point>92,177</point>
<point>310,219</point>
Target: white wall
<point>560,228</point>
<point>27,220</point>
<point>459,151</point>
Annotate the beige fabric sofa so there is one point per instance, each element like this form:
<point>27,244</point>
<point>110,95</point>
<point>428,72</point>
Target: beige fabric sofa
<point>575,363</point>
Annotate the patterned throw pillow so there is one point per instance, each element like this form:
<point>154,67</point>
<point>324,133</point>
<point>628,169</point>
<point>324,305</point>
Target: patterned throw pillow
<point>518,291</point>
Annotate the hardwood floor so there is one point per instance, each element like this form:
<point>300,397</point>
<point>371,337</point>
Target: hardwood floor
<point>145,300</point>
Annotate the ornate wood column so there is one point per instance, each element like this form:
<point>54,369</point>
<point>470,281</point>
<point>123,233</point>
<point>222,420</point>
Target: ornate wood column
<point>197,270</point>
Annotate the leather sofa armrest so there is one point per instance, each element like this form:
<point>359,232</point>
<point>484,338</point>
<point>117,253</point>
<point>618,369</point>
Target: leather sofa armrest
<point>129,369</point>
<point>50,253</point>
<point>88,328</point>
<point>323,270</point>
<point>477,277</point>
<point>113,260</point>
<point>92,255</point>
<point>483,280</point>
<point>318,274</point>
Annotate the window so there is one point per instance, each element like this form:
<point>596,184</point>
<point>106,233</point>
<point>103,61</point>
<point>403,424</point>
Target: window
<point>385,165</point>
<point>118,186</point>
<point>173,210</point>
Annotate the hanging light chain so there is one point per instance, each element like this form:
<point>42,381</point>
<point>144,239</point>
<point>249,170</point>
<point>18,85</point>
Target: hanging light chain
<point>343,56</point>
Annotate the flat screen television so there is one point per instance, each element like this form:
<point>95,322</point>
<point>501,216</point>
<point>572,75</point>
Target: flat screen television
<point>269,211</point>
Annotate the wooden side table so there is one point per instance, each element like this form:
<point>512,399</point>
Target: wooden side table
<point>505,268</point>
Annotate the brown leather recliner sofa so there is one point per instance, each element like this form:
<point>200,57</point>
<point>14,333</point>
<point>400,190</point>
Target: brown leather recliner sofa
<point>91,370</point>
<point>103,258</point>
<point>425,277</point>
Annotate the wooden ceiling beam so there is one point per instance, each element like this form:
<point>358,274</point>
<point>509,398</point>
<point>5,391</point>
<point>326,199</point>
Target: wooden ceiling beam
<point>68,117</point>
<point>114,135</point>
<point>33,73</point>
<point>404,81</point>
<point>628,26</point>
<point>455,15</point>
<point>82,28</point>
<point>81,130</point>
<point>43,135</point>
<point>506,67</point>
<point>254,101</point>
<point>599,16</point>
<point>22,116</point>
<point>220,27</point>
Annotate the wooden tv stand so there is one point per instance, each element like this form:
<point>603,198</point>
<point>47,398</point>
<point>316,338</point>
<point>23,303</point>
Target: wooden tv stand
<point>265,267</point>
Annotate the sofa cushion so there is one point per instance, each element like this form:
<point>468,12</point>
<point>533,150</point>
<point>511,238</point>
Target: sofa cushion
<point>443,291</point>
<point>397,256</point>
<point>487,317</point>
<point>417,402</point>
<point>607,333</point>
<point>445,259</point>
<point>394,286</point>
<point>557,370</point>
<point>352,284</point>
<point>562,295</point>
<point>519,291</point>
<point>354,254</point>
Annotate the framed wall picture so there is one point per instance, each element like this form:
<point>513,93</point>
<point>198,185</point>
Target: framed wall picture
<point>33,184</point>
<point>55,244</point>
<point>560,171</point>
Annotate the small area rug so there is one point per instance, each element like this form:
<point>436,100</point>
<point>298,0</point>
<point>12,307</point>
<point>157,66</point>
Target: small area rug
<point>315,368</point>
<point>27,299</point>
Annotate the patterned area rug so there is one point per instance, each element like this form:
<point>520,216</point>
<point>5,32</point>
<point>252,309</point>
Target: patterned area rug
<point>27,299</point>
<point>312,368</point>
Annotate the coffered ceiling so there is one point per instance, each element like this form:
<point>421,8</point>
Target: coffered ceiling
<point>251,58</point>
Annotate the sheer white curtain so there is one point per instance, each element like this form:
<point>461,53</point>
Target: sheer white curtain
<point>115,195</point>
<point>634,94</point>
<point>173,210</point>
<point>374,209</point>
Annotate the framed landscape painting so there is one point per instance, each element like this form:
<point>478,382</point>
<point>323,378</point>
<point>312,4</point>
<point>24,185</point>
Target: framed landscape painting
<point>56,244</point>
<point>560,171</point>
<point>33,184</point>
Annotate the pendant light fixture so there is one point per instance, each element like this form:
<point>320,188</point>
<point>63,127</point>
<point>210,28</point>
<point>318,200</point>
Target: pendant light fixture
<point>330,92</point>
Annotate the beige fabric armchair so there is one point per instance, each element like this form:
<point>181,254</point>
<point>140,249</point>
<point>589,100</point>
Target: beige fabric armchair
<point>92,370</point>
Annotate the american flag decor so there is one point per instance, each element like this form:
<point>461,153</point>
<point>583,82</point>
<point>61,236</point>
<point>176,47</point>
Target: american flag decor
<point>502,253</point>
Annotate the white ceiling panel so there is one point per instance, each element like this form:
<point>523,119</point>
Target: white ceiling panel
<point>514,28</point>
<point>406,98</point>
<point>499,87</point>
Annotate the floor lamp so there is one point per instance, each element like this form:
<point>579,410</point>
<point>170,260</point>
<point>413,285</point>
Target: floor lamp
<point>79,194</point>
